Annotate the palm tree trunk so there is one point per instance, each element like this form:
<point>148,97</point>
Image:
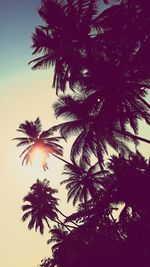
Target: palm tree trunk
<point>85,200</point>
<point>132,136</point>
<point>100,161</point>
<point>59,222</point>
<point>65,161</point>
<point>99,156</point>
<point>66,217</point>
<point>63,224</point>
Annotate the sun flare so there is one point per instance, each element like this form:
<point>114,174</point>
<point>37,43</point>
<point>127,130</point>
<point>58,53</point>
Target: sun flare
<point>38,157</point>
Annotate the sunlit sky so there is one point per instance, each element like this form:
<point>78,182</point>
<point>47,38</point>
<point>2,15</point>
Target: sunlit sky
<point>24,94</point>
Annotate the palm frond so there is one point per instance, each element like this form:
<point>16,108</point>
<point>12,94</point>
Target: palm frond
<point>67,107</point>
<point>68,128</point>
<point>26,216</point>
<point>78,146</point>
<point>26,150</point>
<point>26,207</point>
<point>51,10</point>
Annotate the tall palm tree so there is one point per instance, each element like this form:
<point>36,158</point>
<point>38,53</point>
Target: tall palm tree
<point>97,126</point>
<point>83,33</point>
<point>36,139</point>
<point>84,182</point>
<point>65,42</point>
<point>41,205</point>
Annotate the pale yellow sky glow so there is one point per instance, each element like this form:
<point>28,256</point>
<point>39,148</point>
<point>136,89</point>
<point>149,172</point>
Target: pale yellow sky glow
<point>30,96</point>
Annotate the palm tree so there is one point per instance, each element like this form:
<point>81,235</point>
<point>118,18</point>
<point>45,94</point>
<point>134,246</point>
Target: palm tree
<point>41,205</point>
<point>37,140</point>
<point>121,96</point>
<point>97,126</point>
<point>83,182</point>
<point>66,42</point>
<point>118,101</point>
<point>72,50</point>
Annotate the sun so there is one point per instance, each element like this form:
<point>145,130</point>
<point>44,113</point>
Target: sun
<point>39,157</point>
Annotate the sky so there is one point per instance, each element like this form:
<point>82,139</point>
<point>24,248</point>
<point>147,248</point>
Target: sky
<point>24,94</point>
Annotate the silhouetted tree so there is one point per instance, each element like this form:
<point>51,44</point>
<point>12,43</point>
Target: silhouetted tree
<point>36,139</point>
<point>65,43</point>
<point>93,135</point>
<point>99,239</point>
<point>83,182</point>
<point>41,205</point>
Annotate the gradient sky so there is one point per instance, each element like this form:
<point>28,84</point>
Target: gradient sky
<point>24,94</point>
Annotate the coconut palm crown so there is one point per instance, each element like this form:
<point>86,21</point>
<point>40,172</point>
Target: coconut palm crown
<point>35,139</point>
<point>84,181</point>
<point>41,205</point>
<point>98,126</point>
<point>65,43</point>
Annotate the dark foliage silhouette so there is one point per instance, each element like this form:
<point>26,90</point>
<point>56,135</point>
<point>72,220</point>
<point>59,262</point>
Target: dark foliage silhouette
<point>47,262</point>
<point>93,135</point>
<point>41,205</point>
<point>83,182</point>
<point>131,183</point>
<point>97,126</point>
<point>64,42</point>
<point>98,239</point>
<point>58,235</point>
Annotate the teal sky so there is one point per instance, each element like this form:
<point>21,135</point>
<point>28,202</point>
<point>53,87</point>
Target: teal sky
<point>24,94</point>
<point>17,22</point>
